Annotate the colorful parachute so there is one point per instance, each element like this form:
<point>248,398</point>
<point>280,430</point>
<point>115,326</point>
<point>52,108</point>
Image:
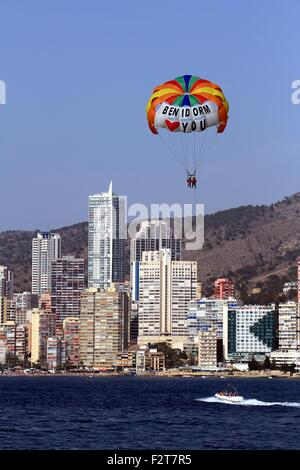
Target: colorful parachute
<point>188,106</point>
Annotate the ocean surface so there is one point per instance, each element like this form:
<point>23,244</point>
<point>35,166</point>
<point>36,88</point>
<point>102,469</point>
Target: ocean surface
<point>147,413</point>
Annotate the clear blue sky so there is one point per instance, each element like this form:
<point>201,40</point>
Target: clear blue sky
<point>79,74</point>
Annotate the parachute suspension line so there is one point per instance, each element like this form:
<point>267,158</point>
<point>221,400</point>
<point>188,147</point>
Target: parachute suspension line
<point>201,148</point>
<point>171,150</point>
<point>194,151</point>
<point>209,143</point>
<point>184,152</point>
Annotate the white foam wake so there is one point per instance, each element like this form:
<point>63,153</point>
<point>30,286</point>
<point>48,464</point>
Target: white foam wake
<point>249,402</point>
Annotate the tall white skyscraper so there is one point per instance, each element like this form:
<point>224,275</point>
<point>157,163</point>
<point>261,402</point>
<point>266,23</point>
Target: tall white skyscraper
<point>107,232</point>
<point>46,247</point>
<point>166,288</point>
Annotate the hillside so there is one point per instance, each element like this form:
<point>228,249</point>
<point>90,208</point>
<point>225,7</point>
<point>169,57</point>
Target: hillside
<point>248,243</point>
<point>252,244</point>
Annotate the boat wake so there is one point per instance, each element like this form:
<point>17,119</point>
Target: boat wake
<point>249,402</point>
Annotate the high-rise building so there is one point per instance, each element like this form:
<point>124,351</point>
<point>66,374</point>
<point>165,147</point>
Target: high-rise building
<point>3,309</point>
<point>224,288</point>
<point>250,330</point>
<point>13,343</point>
<point>207,349</point>
<point>67,283</point>
<point>298,281</point>
<point>103,326</point>
<point>166,288</point>
<point>46,247</point>
<point>71,327</point>
<point>206,315</point>
<point>56,353</point>
<point>26,301</point>
<point>199,290</point>
<point>43,326</point>
<point>45,301</point>
<point>153,235</point>
<point>107,232</point>
<point>288,351</point>
<point>23,303</point>
<point>287,326</point>
<point>6,282</point>
<point>7,310</point>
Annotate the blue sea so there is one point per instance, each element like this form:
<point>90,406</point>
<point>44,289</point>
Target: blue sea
<point>147,413</point>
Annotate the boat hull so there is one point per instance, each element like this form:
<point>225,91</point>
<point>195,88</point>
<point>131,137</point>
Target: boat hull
<point>233,399</point>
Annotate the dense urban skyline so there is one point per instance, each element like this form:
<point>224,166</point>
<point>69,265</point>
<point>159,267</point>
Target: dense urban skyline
<point>108,323</point>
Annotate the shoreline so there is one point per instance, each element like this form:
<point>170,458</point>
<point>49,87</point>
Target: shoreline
<point>175,375</point>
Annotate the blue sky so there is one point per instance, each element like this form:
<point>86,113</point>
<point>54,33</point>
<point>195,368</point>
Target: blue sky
<point>79,74</point>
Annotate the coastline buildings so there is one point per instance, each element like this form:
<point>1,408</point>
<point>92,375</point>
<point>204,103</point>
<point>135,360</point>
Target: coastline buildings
<point>249,330</point>
<point>208,348</point>
<point>13,343</point>
<point>103,326</point>
<point>71,327</point>
<point>166,288</point>
<point>67,283</point>
<point>46,247</point>
<point>56,353</point>
<point>288,351</point>
<point>287,327</point>
<point>61,324</point>
<point>206,316</point>
<point>43,326</point>
<point>106,235</point>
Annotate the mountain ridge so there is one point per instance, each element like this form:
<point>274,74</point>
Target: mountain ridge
<point>249,243</point>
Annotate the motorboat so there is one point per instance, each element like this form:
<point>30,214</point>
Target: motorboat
<point>231,395</point>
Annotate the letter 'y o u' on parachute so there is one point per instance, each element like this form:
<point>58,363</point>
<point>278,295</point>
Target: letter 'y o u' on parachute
<point>187,105</point>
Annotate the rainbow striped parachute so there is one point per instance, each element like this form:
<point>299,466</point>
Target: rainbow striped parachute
<point>187,106</point>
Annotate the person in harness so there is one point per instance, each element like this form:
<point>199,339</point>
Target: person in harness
<point>191,180</point>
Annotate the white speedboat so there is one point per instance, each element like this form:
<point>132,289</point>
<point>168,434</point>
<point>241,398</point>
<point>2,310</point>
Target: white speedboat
<point>229,395</point>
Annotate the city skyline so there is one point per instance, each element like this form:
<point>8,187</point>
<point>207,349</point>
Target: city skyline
<point>63,109</point>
